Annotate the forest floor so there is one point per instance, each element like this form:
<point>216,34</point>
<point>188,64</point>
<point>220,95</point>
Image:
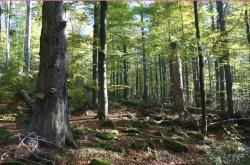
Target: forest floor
<point>132,136</point>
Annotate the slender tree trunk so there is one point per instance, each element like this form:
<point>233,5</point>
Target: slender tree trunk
<point>201,76</point>
<point>7,26</point>
<point>125,72</point>
<point>156,81</point>
<point>217,79</point>
<point>27,39</point>
<point>160,74</point>
<point>102,82</point>
<point>176,79</point>
<point>94,56</point>
<point>137,80</point>
<point>222,86</point>
<point>50,119</point>
<point>225,57</point>
<point>196,96</point>
<point>145,74</point>
<point>0,29</point>
<point>247,26</point>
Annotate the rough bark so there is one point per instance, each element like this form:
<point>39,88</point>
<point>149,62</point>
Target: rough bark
<point>144,58</point>
<point>201,65</point>
<point>0,29</point>
<point>225,58</point>
<point>7,27</point>
<point>176,78</point>
<point>196,96</point>
<point>247,26</point>
<point>94,57</point>
<point>102,82</point>
<point>27,39</point>
<point>50,119</point>
<point>125,73</point>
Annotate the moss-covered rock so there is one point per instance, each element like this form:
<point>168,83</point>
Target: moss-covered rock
<point>175,145</point>
<point>78,131</point>
<point>196,135</point>
<point>12,162</point>
<point>4,133</point>
<point>98,161</point>
<point>130,130</point>
<point>108,124</point>
<point>108,135</point>
<point>141,144</point>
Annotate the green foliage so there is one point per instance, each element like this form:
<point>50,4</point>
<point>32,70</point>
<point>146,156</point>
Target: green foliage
<point>109,147</point>
<point>108,135</point>
<point>78,131</point>
<point>196,135</point>
<point>98,161</point>
<point>175,145</point>
<point>78,98</point>
<point>4,133</point>
<point>130,130</point>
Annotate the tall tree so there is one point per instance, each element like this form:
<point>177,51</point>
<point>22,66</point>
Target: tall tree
<point>7,27</point>
<point>0,28</point>
<point>176,78</point>
<point>95,52</point>
<point>144,61</point>
<point>102,82</point>
<point>27,39</point>
<point>201,65</point>
<point>225,59</point>
<point>50,119</point>
<point>125,72</point>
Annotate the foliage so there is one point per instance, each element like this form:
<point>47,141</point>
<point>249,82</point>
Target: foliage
<point>98,161</point>
<point>4,133</point>
<point>108,135</point>
<point>78,131</point>
<point>175,145</point>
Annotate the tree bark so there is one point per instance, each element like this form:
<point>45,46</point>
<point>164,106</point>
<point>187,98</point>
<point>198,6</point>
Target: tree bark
<point>176,78</point>
<point>50,119</point>
<point>0,29</point>
<point>102,82</point>
<point>27,39</point>
<point>125,73</point>
<point>144,58</point>
<point>201,64</point>
<point>225,59</point>
<point>94,56</point>
<point>7,26</point>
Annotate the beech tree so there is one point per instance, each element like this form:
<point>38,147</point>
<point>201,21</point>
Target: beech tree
<point>102,82</point>
<point>50,119</point>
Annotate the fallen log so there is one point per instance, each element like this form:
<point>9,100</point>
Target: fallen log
<point>228,121</point>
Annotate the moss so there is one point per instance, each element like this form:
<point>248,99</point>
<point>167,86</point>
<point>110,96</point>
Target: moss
<point>168,123</point>
<point>78,131</point>
<point>112,135</point>
<point>12,162</point>
<point>108,124</point>
<point>130,130</point>
<point>4,133</point>
<point>109,147</point>
<point>98,161</point>
<point>139,123</point>
<point>175,145</point>
<point>196,135</point>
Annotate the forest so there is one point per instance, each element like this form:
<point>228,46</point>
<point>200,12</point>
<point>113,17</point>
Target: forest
<point>124,82</point>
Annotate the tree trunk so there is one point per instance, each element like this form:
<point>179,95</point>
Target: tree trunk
<point>50,119</point>
<point>247,26</point>
<point>156,80</point>
<point>95,52</point>
<point>102,82</point>
<point>196,95</point>
<point>125,73</point>
<point>144,58</point>
<point>225,59</point>
<point>27,39</point>
<point>7,26</point>
<point>176,78</point>
<point>201,76</point>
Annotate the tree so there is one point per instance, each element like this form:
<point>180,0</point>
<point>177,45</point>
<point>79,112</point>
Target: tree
<point>7,29</point>
<point>102,82</point>
<point>95,52</point>
<point>27,39</point>
<point>225,59</point>
<point>176,78</point>
<point>201,65</point>
<point>125,72</point>
<point>50,119</point>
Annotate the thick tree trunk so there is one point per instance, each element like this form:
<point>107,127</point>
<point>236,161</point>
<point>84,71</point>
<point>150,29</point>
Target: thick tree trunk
<point>125,73</point>
<point>201,76</point>
<point>225,58</point>
<point>94,57</point>
<point>144,61</point>
<point>27,39</point>
<point>176,78</point>
<point>50,119</point>
<point>102,82</point>
<point>7,27</point>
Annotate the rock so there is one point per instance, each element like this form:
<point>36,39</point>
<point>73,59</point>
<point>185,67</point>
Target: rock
<point>175,145</point>
<point>98,161</point>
